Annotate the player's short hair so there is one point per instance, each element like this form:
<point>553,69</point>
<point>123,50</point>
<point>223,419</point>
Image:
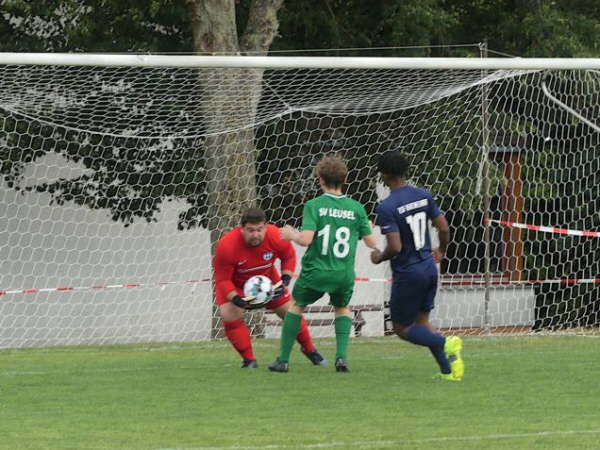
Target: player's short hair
<point>393,162</point>
<point>253,216</point>
<point>333,170</point>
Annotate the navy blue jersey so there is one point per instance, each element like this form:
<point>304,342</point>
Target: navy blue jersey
<point>408,210</point>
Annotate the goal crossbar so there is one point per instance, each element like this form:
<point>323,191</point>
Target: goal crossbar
<point>297,62</point>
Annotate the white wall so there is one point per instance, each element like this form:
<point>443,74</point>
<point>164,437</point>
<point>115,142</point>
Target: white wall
<point>465,307</point>
<point>47,246</point>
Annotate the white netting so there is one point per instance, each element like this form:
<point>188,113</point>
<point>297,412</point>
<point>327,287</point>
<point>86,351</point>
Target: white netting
<point>117,179</point>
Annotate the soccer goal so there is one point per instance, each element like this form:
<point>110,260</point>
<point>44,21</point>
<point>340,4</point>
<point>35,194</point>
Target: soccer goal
<point>119,172</point>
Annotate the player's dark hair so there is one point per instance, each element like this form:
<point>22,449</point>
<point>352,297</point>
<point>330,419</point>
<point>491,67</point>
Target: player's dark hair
<point>253,215</point>
<point>333,170</point>
<point>394,163</point>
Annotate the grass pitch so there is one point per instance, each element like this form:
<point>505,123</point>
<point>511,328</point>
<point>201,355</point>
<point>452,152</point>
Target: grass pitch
<point>518,393</point>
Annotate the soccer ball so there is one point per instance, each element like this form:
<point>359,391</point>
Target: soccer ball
<point>260,287</point>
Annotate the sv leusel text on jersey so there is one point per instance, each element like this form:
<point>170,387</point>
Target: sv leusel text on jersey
<point>337,213</point>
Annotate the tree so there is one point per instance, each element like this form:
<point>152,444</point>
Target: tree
<point>229,147</point>
<point>364,24</point>
<point>228,154</point>
<point>216,175</point>
<point>251,26</point>
<point>94,26</point>
<point>531,28</point>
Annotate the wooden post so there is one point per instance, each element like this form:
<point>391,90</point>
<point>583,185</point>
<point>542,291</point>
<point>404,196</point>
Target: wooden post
<point>512,211</point>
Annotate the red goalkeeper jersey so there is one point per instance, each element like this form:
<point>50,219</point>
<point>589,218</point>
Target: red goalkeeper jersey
<point>235,261</point>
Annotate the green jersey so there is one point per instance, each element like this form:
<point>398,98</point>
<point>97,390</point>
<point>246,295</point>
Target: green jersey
<point>338,222</point>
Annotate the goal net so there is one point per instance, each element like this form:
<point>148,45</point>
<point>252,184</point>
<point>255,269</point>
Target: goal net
<point>120,172</point>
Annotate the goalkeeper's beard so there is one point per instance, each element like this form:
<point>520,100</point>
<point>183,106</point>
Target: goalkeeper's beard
<point>254,242</point>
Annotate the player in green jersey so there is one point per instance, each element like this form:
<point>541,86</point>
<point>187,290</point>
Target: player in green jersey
<point>332,224</point>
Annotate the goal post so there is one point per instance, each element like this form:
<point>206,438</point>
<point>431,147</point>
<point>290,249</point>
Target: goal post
<point>297,62</point>
<point>120,172</point>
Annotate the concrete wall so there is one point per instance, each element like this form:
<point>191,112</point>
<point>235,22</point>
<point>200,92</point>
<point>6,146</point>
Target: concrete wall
<point>47,246</point>
<point>465,307</point>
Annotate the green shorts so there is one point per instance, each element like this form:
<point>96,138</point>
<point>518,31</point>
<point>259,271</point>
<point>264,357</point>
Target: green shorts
<point>311,287</point>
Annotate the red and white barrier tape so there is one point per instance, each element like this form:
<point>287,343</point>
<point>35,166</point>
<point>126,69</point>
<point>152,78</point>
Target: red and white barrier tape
<point>100,287</point>
<point>494,281</point>
<point>513,282</point>
<point>544,229</point>
<point>444,282</point>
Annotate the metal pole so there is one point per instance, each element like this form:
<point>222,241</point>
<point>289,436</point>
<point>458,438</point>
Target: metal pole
<point>485,148</point>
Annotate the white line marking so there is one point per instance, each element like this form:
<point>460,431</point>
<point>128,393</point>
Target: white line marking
<point>391,443</point>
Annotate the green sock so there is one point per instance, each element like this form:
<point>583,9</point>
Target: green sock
<point>343,326</point>
<point>289,331</point>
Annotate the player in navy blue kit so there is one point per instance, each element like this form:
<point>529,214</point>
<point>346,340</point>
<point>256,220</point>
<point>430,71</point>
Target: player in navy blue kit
<point>404,220</point>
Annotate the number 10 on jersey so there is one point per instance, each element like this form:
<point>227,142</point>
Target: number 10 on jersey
<point>418,225</point>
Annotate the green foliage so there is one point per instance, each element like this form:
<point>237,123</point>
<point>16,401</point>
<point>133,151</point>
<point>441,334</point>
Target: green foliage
<point>363,24</point>
<point>95,26</point>
<point>524,28</point>
<point>557,28</point>
<point>128,177</point>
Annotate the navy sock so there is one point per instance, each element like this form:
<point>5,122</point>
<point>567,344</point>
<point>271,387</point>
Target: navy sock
<point>421,335</point>
<point>442,360</point>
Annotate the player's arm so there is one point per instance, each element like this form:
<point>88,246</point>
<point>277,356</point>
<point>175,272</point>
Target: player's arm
<point>224,268</point>
<point>443,230</point>
<point>309,225</point>
<point>303,238</point>
<point>441,224</point>
<point>366,230</point>
<point>370,241</point>
<point>393,246</point>
<point>287,256</point>
<point>387,222</point>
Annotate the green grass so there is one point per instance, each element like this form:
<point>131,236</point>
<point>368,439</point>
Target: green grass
<point>519,392</point>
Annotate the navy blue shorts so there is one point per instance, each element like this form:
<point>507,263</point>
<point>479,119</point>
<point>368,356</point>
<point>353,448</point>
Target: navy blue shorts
<point>413,291</point>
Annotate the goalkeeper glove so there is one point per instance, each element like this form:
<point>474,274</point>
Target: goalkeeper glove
<point>279,288</point>
<point>248,302</point>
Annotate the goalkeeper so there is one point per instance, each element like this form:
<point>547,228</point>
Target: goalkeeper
<point>331,226</point>
<point>247,250</point>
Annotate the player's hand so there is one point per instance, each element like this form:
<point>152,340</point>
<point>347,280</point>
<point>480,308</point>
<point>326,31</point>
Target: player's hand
<point>279,288</point>
<point>437,255</point>
<point>376,256</point>
<point>288,232</point>
<point>248,302</point>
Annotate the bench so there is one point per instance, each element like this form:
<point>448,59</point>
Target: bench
<point>358,320</point>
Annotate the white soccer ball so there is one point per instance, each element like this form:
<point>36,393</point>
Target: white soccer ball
<point>260,287</point>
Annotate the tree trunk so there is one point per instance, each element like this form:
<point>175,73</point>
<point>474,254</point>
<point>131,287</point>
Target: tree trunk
<point>229,103</point>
